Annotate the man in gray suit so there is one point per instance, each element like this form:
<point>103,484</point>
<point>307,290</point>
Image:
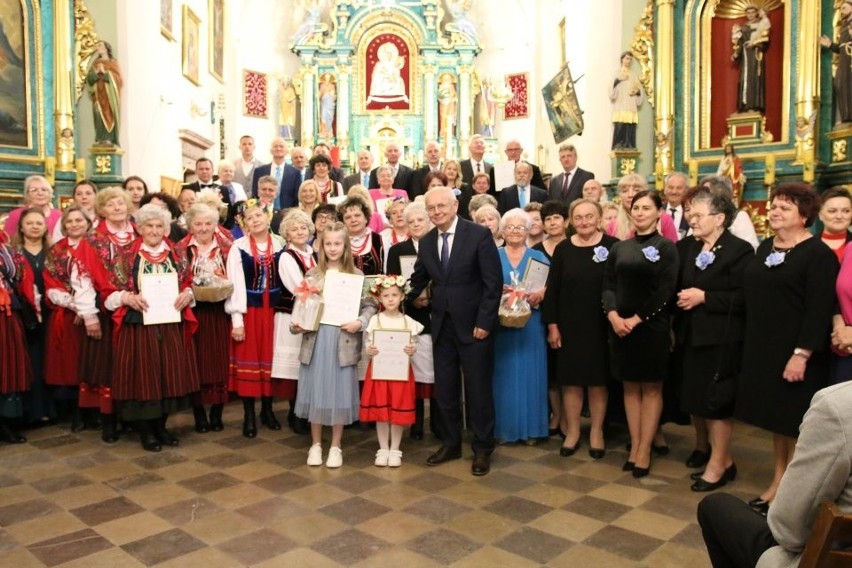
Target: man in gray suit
<point>568,185</point>
<point>362,176</point>
<point>476,164</point>
<point>244,165</point>
<point>821,470</point>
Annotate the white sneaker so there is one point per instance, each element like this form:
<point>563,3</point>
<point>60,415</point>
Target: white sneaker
<point>394,458</point>
<point>335,457</point>
<point>381,458</point>
<point>315,455</point>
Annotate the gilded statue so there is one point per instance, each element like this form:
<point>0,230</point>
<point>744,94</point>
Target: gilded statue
<point>447,100</point>
<point>287,108</point>
<point>487,108</point>
<point>104,85</point>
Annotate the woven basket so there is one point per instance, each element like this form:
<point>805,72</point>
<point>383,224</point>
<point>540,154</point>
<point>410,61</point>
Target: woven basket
<point>212,293</point>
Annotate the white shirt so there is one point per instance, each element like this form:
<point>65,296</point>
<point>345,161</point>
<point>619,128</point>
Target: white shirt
<point>452,232</point>
<point>677,218</point>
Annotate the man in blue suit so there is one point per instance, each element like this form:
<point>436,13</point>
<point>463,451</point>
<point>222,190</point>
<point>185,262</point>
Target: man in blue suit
<point>287,176</point>
<point>461,262</point>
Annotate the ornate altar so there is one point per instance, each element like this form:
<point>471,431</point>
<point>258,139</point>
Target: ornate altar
<point>375,71</point>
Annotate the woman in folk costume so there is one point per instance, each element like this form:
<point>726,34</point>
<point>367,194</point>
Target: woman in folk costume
<point>97,254</point>
<point>252,268</point>
<point>154,368</point>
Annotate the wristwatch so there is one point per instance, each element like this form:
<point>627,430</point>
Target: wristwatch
<point>798,352</point>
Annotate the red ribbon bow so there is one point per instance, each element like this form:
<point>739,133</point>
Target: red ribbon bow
<point>516,294</point>
<point>304,290</point>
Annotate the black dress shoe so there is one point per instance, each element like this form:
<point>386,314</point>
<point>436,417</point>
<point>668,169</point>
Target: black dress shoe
<point>216,417</point>
<point>202,426</point>
<point>150,443</point>
<point>698,459</point>
<point>566,451</point>
<point>108,433</point>
<point>641,471</point>
<point>628,466</point>
<point>701,485</point>
<point>597,453</point>
<point>481,464</point>
<point>660,450</point>
<point>164,436</point>
<point>444,454</point>
<point>267,416</point>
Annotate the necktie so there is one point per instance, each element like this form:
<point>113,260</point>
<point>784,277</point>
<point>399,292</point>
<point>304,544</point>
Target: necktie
<point>366,180</point>
<point>673,211</point>
<point>522,196</point>
<point>478,167</point>
<point>566,181</point>
<point>445,251</point>
<point>278,173</point>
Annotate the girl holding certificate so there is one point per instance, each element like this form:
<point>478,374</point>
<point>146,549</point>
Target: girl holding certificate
<point>328,378</point>
<point>154,368</point>
<point>205,250</point>
<point>253,269</point>
<point>389,400</point>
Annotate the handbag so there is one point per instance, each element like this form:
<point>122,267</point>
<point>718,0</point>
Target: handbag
<point>722,390</point>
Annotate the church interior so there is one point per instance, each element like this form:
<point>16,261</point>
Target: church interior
<point>190,79</point>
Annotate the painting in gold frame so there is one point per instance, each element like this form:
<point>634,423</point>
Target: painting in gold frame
<point>216,38</point>
<point>167,20</point>
<point>190,45</point>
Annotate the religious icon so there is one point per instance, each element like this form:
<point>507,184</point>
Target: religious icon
<point>843,74</point>
<point>563,110</point>
<point>626,97</point>
<point>447,107</point>
<point>487,108</point>
<point>328,103</point>
<point>750,42</point>
<point>731,167</point>
<point>104,82</point>
<point>287,108</point>
<point>387,85</point>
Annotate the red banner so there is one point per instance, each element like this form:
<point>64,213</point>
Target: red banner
<point>254,94</point>
<point>518,106</point>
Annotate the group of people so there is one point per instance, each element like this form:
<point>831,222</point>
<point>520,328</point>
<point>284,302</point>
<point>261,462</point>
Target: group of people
<point>617,290</point>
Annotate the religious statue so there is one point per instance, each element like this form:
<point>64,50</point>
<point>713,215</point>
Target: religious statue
<point>287,108</point>
<point>731,167</point>
<point>461,23</point>
<point>446,107</point>
<point>487,108</point>
<point>327,104</point>
<point>104,85</point>
<point>750,42</point>
<point>312,25</point>
<point>626,96</point>
<point>387,84</point>
<point>843,74</point>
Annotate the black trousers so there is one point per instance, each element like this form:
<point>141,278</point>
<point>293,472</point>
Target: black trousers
<point>735,535</point>
<point>477,361</point>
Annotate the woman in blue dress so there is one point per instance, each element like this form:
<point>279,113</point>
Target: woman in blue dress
<point>520,369</point>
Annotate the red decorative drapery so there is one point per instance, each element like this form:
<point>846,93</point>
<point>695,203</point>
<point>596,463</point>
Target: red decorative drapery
<point>724,75</point>
<point>518,106</point>
<point>388,81</point>
<point>254,94</point>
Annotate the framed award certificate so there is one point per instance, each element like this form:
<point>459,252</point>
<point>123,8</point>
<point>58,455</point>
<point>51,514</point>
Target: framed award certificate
<point>341,295</point>
<point>406,266</point>
<point>161,292</point>
<point>392,362</point>
<point>535,278</point>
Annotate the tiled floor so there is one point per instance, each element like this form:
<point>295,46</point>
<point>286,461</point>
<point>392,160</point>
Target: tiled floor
<point>220,500</point>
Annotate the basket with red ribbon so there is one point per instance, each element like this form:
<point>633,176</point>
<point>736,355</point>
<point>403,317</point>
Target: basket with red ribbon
<point>514,309</point>
<point>307,307</point>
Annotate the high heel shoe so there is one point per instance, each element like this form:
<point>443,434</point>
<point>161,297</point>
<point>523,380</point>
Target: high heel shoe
<point>597,453</point>
<point>729,474</point>
<point>565,451</point>
<point>641,471</point>
<point>628,466</point>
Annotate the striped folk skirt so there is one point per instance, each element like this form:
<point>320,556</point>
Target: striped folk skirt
<point>212,342</point>
<point>95,367</point>
<point>16,374</point>
<point>251,359</point>
<point>62,348</point>
<point>153,362</point>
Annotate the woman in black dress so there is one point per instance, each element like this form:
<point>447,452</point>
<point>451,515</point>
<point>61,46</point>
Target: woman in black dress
<point>367,247</point>
<point>709,327</point>
<point>789,298</point>
<point>639,280</point>
<point>576,327</point>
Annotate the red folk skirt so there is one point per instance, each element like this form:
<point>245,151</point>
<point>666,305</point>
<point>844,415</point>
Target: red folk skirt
<point>95,367</point>
<point>388,401</point>
<point>154,362</point>
<point>251,359</point>
<point>16,373</point>
<point>62,348</point>
<point>212,342</point>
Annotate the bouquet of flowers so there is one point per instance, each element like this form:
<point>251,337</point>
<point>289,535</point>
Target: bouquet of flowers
<point>307,305</point>
<point>209,283</point>
<point>514,309</point>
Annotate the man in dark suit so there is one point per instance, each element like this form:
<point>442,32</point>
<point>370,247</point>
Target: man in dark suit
<point>568,185</point>
<point>513,152</point>
<point>432,153</point>
<point>204,173</point>
<point>403,175</point>
<point>522,192</point>
<point>280,171</point>
<point>336,174</point>
<point>461,262</point>
<point>676,183</point>
<point>476,164</point>
<point>362,176</point>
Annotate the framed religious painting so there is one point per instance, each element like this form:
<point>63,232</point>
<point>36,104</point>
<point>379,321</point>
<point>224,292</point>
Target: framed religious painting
<point>21,85</point>
<point>519,105</point>
<point>388,69</point>
<point>190,45</point>
<point>216,38</point>
<point>167,21</point>
<point>563,109</point>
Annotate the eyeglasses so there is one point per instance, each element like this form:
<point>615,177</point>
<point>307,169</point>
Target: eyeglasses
<point>515,228</point>
<point>34,189</point>
<point>325,217</point>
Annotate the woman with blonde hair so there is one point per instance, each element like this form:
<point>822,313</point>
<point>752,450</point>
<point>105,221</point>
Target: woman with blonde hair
<point>309,194</point>
<point>39,194</point>
<point>488,216</point>
<point>622,228</point>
